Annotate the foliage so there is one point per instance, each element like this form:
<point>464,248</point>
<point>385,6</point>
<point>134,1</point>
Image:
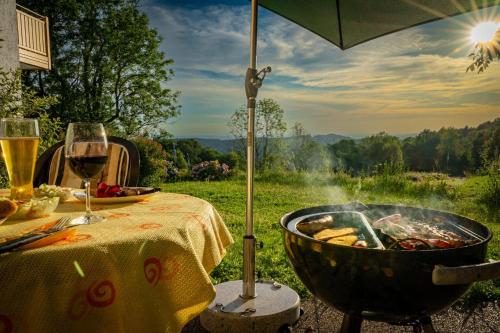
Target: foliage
<point>107,66</point>
<point>419,152</point>
<point>489,194</point>
<point>154,167</point>
<point>210,170</point>
<point>346,156</point>
<point>484,54</point>
<point>232,159</point>
<point>309,155</point>
<point>380,149</point>
<point>187,152</point>
<point>17,100</point>
<point>450,150</point>
<point>172,172</point>
<point>269,125</point>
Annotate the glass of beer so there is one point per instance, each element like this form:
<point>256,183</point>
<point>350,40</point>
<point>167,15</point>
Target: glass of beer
<point>19,140</point>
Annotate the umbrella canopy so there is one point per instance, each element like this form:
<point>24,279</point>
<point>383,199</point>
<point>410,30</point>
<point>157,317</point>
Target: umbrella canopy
<point>347,23</point>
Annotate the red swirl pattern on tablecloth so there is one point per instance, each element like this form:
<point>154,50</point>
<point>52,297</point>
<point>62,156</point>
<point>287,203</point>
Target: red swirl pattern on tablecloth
<point>156,270</point>
<point>152,270</point>
<point>101,294</point>
<point>170,268</point>
<point>6,325</point>
<point>150,226</point>
<point>118,215</point>
<point>199,220</point>
<point>78,306</point>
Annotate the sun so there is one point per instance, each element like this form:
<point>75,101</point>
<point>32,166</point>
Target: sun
<point>484,32</point>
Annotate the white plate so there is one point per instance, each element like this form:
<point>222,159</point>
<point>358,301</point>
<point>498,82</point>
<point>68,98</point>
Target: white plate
<point>113,200</point>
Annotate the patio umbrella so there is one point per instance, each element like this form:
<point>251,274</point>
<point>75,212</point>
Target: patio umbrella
<point>345,23</point>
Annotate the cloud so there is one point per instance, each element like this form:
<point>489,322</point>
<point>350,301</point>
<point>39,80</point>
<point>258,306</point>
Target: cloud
<point>403,82</point>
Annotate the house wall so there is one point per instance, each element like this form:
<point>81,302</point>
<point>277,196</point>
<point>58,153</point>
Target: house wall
<point>9,54</point>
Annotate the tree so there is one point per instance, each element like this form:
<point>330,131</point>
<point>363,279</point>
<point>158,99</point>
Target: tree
<point>17,100</point>
<point>420,152</point>
<point>273,126</point>
<point>381,149</point>
<point>269,129</point>
<point>107,65</point>
<point>484,53</point>
<point>346,156</point>
<point>452,151</point>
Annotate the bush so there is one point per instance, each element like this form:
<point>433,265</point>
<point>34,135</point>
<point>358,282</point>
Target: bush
<point>17,100</point>
<point>490,192</point>
<point>210,170</point>
<point>171,172</point>
<point>154,165</point>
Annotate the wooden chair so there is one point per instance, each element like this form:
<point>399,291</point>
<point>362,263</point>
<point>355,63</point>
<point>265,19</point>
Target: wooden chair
<point>122,167</point>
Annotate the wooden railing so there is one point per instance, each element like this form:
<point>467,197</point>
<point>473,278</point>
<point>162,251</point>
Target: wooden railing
<point>34,41</point>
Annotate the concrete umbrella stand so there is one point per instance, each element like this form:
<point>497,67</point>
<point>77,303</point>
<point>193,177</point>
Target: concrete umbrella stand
<point>246,305</point>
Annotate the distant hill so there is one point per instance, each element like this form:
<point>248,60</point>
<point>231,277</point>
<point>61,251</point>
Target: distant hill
<point>221,145</point>
<point>226,145</point>
<point>329,138</point>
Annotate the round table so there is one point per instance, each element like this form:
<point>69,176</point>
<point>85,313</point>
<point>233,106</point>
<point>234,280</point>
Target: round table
<point>145,269</point>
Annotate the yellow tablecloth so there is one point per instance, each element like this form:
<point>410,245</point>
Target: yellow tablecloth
<point>145,269</point>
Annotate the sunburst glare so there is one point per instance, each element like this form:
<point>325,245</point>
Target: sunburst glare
<point>484,32</point>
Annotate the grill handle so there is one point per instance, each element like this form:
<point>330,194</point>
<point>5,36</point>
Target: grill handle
<point>444,276</point>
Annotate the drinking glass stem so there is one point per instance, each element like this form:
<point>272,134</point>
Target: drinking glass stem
<point>88,212</point>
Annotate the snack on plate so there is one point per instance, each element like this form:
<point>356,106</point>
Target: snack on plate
<point>51,191</point>
<point>139,190</point>
<point>35,208</point>
<point>110,191</point>
<point>7,208</point>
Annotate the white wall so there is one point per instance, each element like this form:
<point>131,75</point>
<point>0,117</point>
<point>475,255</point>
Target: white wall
<point>9,54</point>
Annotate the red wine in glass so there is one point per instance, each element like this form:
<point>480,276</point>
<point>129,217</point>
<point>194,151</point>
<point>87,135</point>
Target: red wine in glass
<point>86,150</point>
<point>87,166</point>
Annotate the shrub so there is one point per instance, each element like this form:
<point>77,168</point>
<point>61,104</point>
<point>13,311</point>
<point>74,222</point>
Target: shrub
<point>154,166</point>
<point>490,191</point>
<point>210,170</point>
<point>171,171</point>
<point>17,100</point>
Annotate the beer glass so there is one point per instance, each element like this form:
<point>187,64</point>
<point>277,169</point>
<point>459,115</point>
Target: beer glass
<point>19,140</point>
<point>86,150</point>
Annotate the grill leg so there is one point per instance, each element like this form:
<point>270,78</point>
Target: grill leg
<point>351,324</point>
<point>424,326</point>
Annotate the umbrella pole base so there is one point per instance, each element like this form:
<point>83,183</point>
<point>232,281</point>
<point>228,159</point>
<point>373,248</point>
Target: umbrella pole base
<point>274,307</point>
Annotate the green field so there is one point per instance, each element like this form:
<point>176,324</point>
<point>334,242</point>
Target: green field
<point>276,195</point>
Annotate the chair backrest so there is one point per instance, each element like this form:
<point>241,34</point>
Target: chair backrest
<point>122,167</point>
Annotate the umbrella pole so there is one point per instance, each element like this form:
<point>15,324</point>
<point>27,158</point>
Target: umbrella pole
<point>265,306</point>
<point>251,90</point>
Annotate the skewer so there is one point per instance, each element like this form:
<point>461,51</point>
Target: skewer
<point>465,230</point>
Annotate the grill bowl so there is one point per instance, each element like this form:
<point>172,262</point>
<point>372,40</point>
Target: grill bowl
<point>382,285</point>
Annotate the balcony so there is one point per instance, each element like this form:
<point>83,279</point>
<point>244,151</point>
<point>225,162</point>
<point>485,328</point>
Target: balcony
<point>33,39</point>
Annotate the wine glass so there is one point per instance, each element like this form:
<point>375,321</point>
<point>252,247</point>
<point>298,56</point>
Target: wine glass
<point>86,150</point>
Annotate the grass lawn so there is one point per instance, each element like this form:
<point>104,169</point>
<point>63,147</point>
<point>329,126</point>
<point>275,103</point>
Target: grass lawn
<point>278,194</point>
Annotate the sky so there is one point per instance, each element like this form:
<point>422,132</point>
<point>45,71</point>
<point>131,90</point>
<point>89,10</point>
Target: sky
<point>401,83</point>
